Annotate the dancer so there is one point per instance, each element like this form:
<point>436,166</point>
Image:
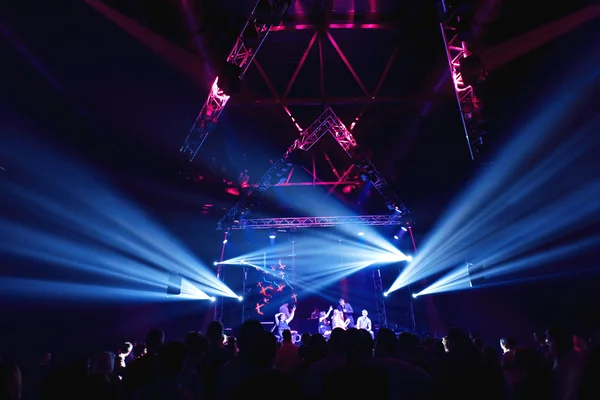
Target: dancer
<point>364,322</point>
<point>282,322</point>
<point>337,321</point>
<point>285,309</point>
<point>324,327</point>
<point>347,311</point>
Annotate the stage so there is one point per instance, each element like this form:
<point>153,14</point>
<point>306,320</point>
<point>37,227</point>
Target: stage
<point>312,269</point>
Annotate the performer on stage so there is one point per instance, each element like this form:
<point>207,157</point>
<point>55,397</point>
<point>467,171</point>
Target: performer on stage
<point>347,311</point>
<point>284,309</point>
<point>337,321</point>
<point>282,322</point>
<point>315,314</point>
<point>364,322</point>
<point>324,327</point>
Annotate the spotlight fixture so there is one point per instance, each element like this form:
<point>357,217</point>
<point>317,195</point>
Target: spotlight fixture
<point>385,294</point>
<point>395,237</point>
<point>213,299</point>
<point>404,229</point>
<point>215,263</point>
<point>409,258</point>
<point>361,234</point>
<point>272,235</point>
<point>225,241</point>
<point>240,298</point>
<point>414,295</point>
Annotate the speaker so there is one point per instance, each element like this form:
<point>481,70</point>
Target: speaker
<point>174,285</point>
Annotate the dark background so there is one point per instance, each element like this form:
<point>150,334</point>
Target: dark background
<point>70,77</point>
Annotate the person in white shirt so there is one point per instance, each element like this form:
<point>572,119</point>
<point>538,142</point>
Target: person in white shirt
<point>364,322</point>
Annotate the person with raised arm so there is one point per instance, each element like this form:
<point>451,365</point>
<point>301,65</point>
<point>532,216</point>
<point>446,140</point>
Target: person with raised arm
<point>282,322</point>
<point>324,327</point>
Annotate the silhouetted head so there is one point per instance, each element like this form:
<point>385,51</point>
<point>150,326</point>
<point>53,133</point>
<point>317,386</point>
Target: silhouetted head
<point>286,335</point>
<point>335,345</point>
<point>247,335</point>
<point>214,333</point>
<point>261,352</point>
<point>385,345</point>
<point>196,343</point>
<point>154,340</point>
<point>171,359</point>
<point>305,338</point>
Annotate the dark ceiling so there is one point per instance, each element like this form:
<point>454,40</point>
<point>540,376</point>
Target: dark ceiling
<point>139,101</point>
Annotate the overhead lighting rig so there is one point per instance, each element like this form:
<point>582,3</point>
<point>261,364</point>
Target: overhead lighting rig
<point>317,222</point>
<point>327,122</point>
<point>263,17</point>
<point>466,69</point>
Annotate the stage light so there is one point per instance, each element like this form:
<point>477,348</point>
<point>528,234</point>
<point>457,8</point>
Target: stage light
<point>396,237</point>
<point>213,299</point>
<point>225,241</point>
<point>241,298</point>
<point>385,294</point>
<point>215,263</point>
<point>414,295</point>
<point>272,235</point>
<point>409,258</point>
<point>361,233</point>
<point>404,229</point>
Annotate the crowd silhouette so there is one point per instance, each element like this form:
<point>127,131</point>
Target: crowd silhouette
<point>351,364</point>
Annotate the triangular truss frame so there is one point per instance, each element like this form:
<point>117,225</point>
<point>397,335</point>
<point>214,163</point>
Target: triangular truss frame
<point>327,122</point>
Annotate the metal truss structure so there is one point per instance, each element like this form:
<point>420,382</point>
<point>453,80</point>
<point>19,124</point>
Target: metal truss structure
<point>379,298</point>
<point>318,222</point>
<point>280,172</point>
<point>466,71</point>
<point>246,291</point>
<point>255,31</point>
<point>327,122</point>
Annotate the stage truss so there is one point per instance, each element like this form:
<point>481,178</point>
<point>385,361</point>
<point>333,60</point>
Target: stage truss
<point>249,41</point>
<point>379,298</point>
<point>327,122</point>
<point>318,222</point>
<point>279,174</point>
<point>466,71</point>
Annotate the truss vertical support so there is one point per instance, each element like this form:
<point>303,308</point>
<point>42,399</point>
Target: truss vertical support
<point>246,291</point>
<point>249,41</point>
<point>457,54</point>
<point>379,298</point>
<point>218,312</point>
